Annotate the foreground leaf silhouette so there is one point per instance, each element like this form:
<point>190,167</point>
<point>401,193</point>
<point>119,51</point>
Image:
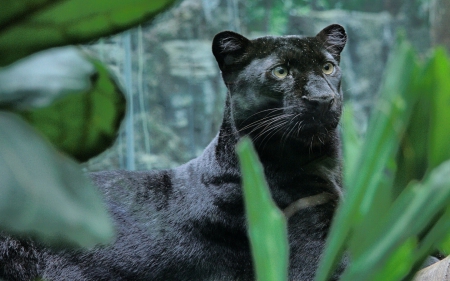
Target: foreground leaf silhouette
<point>45,193</point>
<point>27,27</point>
<point>267,227</point>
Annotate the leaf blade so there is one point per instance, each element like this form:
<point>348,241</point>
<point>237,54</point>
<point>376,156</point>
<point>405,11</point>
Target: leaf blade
<point>266,223</point>
<point>439,149</point>
<point>386,128</point>
<point>46,193</point>
<point>49,75</point>
<point>95,114</point>
<point>57,23</point>
<point>408,217</point>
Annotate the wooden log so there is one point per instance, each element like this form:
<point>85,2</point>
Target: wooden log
<point>439,271</point>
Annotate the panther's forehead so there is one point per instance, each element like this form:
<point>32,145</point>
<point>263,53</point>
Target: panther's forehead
<point>289,48</point>
<point>287,41</point>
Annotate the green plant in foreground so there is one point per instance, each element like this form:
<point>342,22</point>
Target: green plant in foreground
<point>266,223</point>
<point>395,211</point>
<point>388,225</point>
<point>74,103</point>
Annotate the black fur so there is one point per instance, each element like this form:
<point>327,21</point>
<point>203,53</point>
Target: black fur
<point>188,223</point>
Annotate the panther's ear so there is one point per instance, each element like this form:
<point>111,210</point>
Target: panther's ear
<point>334,38</point>
<point>228,46</point>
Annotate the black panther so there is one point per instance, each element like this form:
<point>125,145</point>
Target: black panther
<point>188,223</point>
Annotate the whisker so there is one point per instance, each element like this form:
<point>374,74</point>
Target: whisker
<point>258,121</point>
<point>266,139</point>
<point>272,131</point>
<point>271,110</point>
<point>271,126</point>
<point>284,137</point>
<point>269,122</point>
<point>300,126</point>
<point>287,134</point>
<point>292,130</point>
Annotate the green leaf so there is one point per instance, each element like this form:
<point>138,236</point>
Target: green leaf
<point>83,124</point>
<point>399,262</point>
<point>437,237</point>
<point>425,144</point>
<point>438,83</point>
<point>379,209</point>
<point>412,155</point>
<point>266,223</point>
<point>46,193</point>
<point>441,229</point>
<point>351,141</point>
<point>409,216</point>
<point>32,25</point>
<point>39,79</point>
<point>386,128</point>
<point>387,125</point>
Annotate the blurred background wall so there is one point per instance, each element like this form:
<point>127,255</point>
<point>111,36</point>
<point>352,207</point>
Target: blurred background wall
<point>174,84</point>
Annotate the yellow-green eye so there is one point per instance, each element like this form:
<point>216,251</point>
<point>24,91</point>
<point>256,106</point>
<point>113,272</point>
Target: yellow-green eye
<point>328,68</point>
<point>280,72</point>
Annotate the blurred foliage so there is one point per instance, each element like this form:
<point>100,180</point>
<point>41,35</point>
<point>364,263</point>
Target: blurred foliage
<point>65,92</point>
<point>267,227</point>
<point>398,187</point>
<point>396,210</point>
<point>74,103</point>
<point>33,25</point>
<point>44,192</point>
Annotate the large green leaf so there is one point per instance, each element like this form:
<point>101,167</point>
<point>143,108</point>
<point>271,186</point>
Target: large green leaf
<point>399,263</point>
<point>32,25</point>
<point>425,144</point>
<point>389,241</point>
<point>45,193</point>
<point>266,223</point>
<point>387,125</point>
<point>438,83</point>
<point>386,128</point>
<point>351,141</point>
<point>436,237</point>
<point>39,79</point>
<point>412,155</point>
<point>81,124</point>
<point>409,216</point>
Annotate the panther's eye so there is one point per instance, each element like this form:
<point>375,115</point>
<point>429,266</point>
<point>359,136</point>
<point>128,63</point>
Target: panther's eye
<point>280,72</point>
<point>328,68</point>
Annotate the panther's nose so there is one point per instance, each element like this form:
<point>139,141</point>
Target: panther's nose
<point>321,103</point>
